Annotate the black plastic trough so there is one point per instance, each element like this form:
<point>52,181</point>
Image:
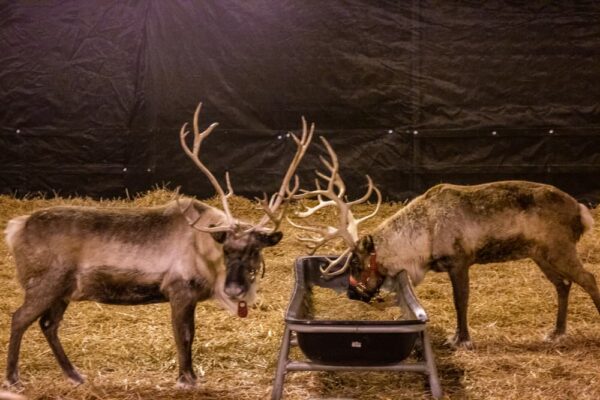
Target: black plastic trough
<point>342,345</point>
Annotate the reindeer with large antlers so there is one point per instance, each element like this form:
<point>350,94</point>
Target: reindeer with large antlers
<point>182,253</point>
<point>451,227</point>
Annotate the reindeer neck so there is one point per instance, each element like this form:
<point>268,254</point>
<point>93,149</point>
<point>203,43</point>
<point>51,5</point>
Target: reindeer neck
<point>402,240</point>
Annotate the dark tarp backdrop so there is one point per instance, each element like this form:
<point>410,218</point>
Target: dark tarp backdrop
<point>413,93</point>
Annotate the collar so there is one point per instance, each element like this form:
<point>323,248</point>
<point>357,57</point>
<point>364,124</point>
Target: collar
<point>366,273</point>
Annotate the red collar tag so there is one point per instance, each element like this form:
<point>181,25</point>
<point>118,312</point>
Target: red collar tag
<point>365,274</point>
<point>373,262</point>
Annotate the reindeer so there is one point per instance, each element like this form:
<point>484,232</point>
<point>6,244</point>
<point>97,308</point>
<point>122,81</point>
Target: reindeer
<point>451,227</point>
<point>182,253</point>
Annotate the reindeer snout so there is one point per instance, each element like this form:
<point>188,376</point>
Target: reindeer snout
<point>354,294</point>
<point>234,290</point>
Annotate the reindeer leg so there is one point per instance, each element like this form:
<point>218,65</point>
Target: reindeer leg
<point>34,305</point>
<point>183,307</point>
<point>587,281</point>
<point>563,287</point>
<point>459,276</point>
<point>21,319</point>
<point>49,323</point>
<point>577,273</point>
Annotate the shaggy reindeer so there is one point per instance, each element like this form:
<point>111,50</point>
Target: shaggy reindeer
<point>451,227</point>
<point>183,252</point>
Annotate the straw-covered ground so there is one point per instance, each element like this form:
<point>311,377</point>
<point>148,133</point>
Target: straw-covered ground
<point>128,352</point>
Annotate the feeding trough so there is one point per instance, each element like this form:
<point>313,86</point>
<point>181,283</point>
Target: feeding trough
<point>352,345</point>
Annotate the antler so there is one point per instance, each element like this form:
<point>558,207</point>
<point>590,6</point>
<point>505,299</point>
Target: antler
<point>193,153</point>
<point>347,228</point>
<point>286,192</point>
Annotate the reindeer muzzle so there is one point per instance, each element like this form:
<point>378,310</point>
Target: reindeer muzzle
<point>369,283</point>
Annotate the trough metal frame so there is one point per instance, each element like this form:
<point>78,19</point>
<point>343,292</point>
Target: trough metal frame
<point>425,366</point>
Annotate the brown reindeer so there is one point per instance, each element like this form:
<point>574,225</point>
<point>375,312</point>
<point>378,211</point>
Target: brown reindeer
<point>451,227</point>
<point>182,253</point>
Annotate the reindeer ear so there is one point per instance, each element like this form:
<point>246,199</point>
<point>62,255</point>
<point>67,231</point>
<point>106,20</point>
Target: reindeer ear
<point>219,236</point>
<point>270,239</point>
<point>366,245</point>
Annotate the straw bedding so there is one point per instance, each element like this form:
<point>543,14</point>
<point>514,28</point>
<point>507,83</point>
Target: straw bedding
<point>128,352</point>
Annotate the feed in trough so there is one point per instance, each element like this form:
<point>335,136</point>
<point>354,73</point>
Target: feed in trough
<point>327,304</point>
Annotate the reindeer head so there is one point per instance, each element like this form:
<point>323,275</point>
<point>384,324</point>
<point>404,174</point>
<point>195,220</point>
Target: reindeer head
<point>243,259</point>
<point>364,279</point>
<point>242,242</point>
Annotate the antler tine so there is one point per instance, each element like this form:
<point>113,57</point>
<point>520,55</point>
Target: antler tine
<point>322,203</point>
<point>229,187</point>
<point>346,254</point>
<point>321,230</point>
<point>291,192</point>
<point>285,193</point>
<point>311,210</point>
<point>194,154</point>
<point>314,243</point>
<point>366,196</point>
<point>323,235</point>
<point>267,206</point>
<point>378,193</point>
<point>333,180</point>
<point>334,167</point>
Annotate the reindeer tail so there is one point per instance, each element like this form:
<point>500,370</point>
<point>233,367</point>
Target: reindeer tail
<point>13,228</point>
<point>587,220</point>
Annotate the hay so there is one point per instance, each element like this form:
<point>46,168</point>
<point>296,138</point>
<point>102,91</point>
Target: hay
<point>327,304</point>
<point>127,353</point>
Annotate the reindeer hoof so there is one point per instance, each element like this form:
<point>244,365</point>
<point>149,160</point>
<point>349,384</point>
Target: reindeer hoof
<point>76,379</point>
<point>186,383</point>
<point>554,336</point>
<point>457,343</point>
<point>13,382</point>
<point>16,386</point>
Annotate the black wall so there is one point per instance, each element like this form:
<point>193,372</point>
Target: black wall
<point>93,93</point>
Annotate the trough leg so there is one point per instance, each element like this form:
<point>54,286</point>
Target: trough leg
<point>434,381</point>
<point>281,366</point>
